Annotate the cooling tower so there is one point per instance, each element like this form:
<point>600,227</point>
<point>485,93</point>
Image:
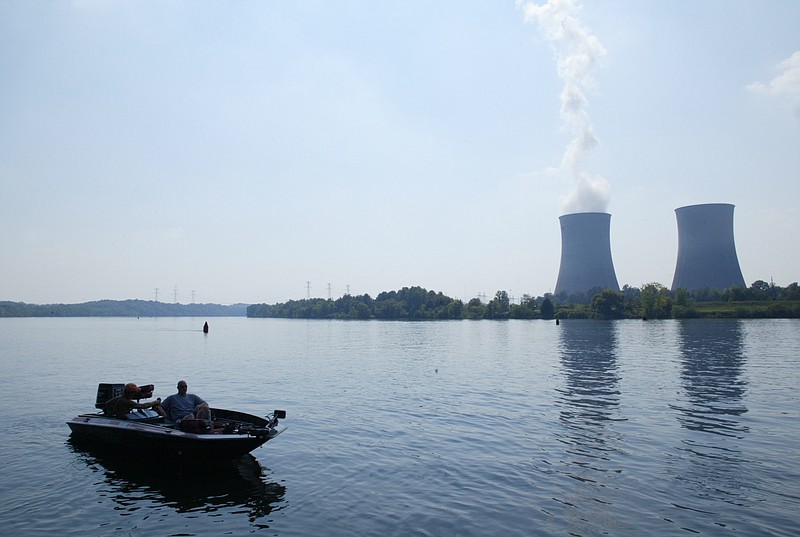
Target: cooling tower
<point>706,250</point>
<point>585,253</point>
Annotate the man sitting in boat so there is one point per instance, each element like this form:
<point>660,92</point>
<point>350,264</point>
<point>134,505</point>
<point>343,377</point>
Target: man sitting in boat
<point>121,405</point>
<point>185,406</point>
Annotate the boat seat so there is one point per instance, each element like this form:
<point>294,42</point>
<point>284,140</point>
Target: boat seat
<point>195,426</point>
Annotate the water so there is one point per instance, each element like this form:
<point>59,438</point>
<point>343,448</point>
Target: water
<point>431,429</point>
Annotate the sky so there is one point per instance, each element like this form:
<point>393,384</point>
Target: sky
<point>259,152</point>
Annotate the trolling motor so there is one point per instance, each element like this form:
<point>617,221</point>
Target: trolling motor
<point>275,416</point>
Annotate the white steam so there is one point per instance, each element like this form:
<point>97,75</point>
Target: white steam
<point>577,53</point>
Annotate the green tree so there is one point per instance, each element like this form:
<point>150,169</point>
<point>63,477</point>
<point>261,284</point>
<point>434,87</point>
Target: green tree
<point>790,292</point>
<point>608,304</point>
<point>682,305</point>
<point>475,309</point>
<point>706,294</point>
<point>359,311</point>
<point>455,310</point>
<point>761,290</point>
<point>656,303</point>
<point>735,294</point>
<point>547,309</point>
<point>526,309</point>
<point>499,307</point>
<point>682,297</point>
<point>389,309</point>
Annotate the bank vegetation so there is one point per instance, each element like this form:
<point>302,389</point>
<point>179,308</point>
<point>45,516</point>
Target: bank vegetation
<point>651,301</point>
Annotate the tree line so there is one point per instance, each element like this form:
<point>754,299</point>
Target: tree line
<point>120,308</point>
<point>409,304</point>
<point>652,300</point>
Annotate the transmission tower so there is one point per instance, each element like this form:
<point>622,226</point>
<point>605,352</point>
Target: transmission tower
<point>308,290</point>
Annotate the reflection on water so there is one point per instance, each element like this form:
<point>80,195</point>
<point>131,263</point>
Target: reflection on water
<point>240,486</point>
<point>710,461</point>
<point>588,404</point>
<point>711,375</point>
<point>589,399</point>
<point>588,359</point>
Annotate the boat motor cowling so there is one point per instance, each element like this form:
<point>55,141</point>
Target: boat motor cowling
<point>106,392</point>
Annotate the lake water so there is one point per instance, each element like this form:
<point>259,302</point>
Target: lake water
<point>513,428</point>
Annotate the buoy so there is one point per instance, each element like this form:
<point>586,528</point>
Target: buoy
<point>205,328</point>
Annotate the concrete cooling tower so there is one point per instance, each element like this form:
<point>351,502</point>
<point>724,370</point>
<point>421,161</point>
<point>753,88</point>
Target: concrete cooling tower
<point>706,249</point>
<point>585,253</point>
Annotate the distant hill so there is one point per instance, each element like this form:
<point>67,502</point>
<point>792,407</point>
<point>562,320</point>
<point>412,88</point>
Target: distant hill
<point>121,308</point>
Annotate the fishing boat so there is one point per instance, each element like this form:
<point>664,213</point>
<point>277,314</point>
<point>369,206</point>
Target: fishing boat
<point>227,435</point>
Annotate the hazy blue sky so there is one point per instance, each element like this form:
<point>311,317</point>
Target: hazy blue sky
<point>241,149</point>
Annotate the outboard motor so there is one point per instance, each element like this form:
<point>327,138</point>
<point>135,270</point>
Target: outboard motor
<point>106,392</point>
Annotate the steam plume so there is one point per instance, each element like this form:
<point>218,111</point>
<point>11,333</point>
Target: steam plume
<point>577,53</point>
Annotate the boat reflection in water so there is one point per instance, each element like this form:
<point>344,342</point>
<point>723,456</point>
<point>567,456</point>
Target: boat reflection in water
<point>136,485</point>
